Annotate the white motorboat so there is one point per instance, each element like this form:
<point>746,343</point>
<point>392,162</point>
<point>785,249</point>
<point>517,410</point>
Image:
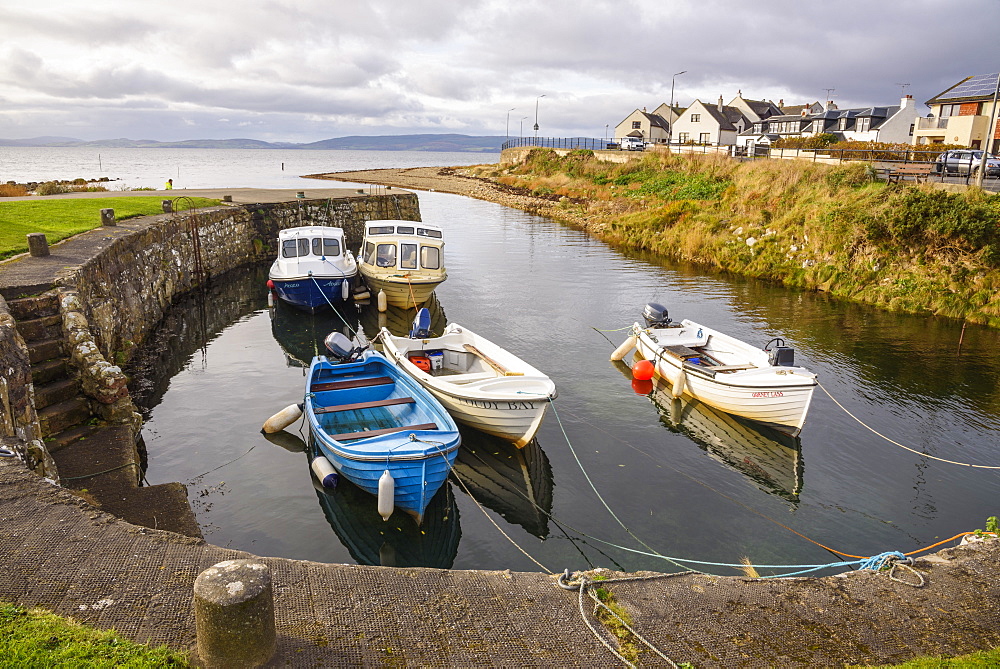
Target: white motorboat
<point>313,270</point>
<point>481,384</point>
<point>404,259</point>
<point>763,385</point>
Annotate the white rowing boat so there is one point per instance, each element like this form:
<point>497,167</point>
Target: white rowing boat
<point>481,384</point>
<point>763,385</point>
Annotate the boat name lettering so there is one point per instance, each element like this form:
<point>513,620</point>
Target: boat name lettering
<point>487,404</point>
<point>769,393</point>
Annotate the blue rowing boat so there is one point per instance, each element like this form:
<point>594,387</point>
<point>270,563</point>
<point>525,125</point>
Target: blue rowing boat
<point>379,428</point>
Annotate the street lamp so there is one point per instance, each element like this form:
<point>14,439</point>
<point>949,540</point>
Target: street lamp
<point>508,121</point>
<point>536,113</point>
<point>522,125</point>
<point>670,128</point>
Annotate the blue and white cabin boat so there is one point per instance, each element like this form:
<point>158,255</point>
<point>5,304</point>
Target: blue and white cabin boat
<point>313,270</point>
<point>379,428</point>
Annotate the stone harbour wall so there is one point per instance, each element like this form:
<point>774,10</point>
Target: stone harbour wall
<point>127,289</point>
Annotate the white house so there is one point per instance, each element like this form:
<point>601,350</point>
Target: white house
<point>717,124</point>
<point>646,126</point>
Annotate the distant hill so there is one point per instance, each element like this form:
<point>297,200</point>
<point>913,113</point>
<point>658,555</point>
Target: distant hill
<point>429,142</point>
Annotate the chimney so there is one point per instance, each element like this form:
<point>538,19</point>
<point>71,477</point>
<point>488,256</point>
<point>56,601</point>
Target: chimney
<point>781,103</point>
<point>805,112</point>
<point>907,102</point>
<point>720,103</point>
<point>829,105</point>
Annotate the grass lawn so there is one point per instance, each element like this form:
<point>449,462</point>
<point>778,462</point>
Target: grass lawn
<point>60,219</point>
<point>37,638</point>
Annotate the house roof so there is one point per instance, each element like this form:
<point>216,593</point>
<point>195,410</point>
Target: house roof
<point>792,110</point>
<point>727,117</point>
<point>763,108</point>
<point>655,120</point>
<point>974,88</point>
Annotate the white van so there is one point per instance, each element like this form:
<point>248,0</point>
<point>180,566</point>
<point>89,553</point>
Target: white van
<point>631,144</point>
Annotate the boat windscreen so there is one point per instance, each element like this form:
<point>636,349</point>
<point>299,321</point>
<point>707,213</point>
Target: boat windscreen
<point>381,230</point>
<point>427,232</point>
<point>404,229</point>
<point>326,247</point>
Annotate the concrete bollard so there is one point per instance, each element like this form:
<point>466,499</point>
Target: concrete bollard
<point>38,245</point>
<point>234,614</point>
<point>168,206</point>
<point>108,217</point>
<point>227,198</point>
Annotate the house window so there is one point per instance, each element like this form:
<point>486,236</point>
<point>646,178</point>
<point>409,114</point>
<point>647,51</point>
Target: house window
<point>911,129</point>
<point>864,124</point>
<point>695,118</point>
<point>949,110</point>
<point>636,125</point>
<point>817,127</point>
<point>842,124</point>
<point>684,137</point>
<point>704,138</point>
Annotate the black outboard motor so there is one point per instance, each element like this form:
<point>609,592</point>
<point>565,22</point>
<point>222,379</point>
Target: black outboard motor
<point>655,315</point>
<point>421,328</point>
<point>341,348</point>
<point>780,355</point>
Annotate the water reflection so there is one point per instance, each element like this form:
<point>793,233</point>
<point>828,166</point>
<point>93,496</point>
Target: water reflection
<point>398,320</point>
<point>514,482</point>
<point>300,334</point>
<point>771,459</point>
<point>399,541</point>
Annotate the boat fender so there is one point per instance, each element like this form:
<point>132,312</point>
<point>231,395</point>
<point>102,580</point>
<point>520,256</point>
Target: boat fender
<point>678,388</point>
<point>622,350</point>
<point>362,295</point>
<point>282,419</point>
<point>325,472</point>
<point>386,495</point>
<point>383,302</point>
<point>345,290</point>
<point>270,300</point>
<point>270,284</point>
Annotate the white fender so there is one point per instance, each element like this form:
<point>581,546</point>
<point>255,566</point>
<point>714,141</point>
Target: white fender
<point>622,350</point>
<point>325,472</point>
<point>270,299</point>
<point>386,495</point>
<point>345,290</point>
<point>383,301</point>
<point>282,419</point>
<point>679,383</point>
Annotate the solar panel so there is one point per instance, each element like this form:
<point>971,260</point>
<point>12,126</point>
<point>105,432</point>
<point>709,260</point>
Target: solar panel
<point>979,86</point>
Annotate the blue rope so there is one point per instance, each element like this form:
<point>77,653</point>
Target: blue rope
<point>881,561</point>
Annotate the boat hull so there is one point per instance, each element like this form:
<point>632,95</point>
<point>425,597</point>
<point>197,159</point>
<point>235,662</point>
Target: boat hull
<point>401,291</point>
<point>367,418</point>
<point>778,397</point>
<point>313,293</point>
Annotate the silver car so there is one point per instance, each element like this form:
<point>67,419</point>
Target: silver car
<point>966,161</point>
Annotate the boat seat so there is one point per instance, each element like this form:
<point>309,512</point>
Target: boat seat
<point>365,405</point>
<point>467,377</point>
<point>351,383</point>
<point>731,368</point>
<point>386,430</point>
<point>501,370</point>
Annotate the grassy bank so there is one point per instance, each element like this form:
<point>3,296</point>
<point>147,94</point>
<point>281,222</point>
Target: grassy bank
<point>36,638</point>
<point>811,226</point>
<point>63,218</point>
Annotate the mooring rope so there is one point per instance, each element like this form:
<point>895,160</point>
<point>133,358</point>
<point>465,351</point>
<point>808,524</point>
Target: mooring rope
<point>342,319</point>
<point>892,441</point>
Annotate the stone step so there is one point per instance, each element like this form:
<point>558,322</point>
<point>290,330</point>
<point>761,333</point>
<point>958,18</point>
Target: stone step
<point>29,308</point>
<point>59,441</point>
<point>49,370</point>
<point>58,417</point>
<point>54,392</point>
<point>47,349</point>
<point>36,329</point>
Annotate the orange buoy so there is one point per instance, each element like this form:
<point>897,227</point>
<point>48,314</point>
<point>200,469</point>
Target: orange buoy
<point>642,370</point>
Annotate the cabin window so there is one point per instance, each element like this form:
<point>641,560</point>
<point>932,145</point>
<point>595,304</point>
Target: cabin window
<point>404,229</point>
<point>369,254</point>
<point>386,255</point>
<point>381,230</point>
<point>408,256</point>
<point>289,248</point>
<point>326,247</point>
<point>430,257</point>
<point>427,232</point>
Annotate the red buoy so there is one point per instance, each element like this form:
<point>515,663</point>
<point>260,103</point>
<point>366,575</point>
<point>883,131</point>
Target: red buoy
<point>642,370</point>
<point>270,284</point>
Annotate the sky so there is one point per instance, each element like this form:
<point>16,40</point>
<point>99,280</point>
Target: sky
<point>309,70</point>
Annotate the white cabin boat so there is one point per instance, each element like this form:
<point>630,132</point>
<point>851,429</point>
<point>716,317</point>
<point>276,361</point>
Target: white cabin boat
<point>763,385</point>
<point>313,270</point>
<point>480,384</point>
<point>405,259</point>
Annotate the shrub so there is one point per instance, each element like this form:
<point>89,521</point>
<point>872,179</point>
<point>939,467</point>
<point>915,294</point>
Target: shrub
<point>12,190</point>
<point>51,188</point>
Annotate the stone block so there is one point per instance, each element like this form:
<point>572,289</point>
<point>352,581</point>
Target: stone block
<point>38,245</point>
<point>234,614</point>
<point>108,217</point>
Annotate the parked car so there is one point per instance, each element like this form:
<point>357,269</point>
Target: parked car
<point>631,144</point>
<point>966,161</point>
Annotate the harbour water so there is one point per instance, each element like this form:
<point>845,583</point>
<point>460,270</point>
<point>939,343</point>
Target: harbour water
<point>615,477</point>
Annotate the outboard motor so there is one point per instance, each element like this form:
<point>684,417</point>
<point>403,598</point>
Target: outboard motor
<point>421,328</point>
<point>780,355</point>
<point>340,347</point>
<point>655,315</point>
